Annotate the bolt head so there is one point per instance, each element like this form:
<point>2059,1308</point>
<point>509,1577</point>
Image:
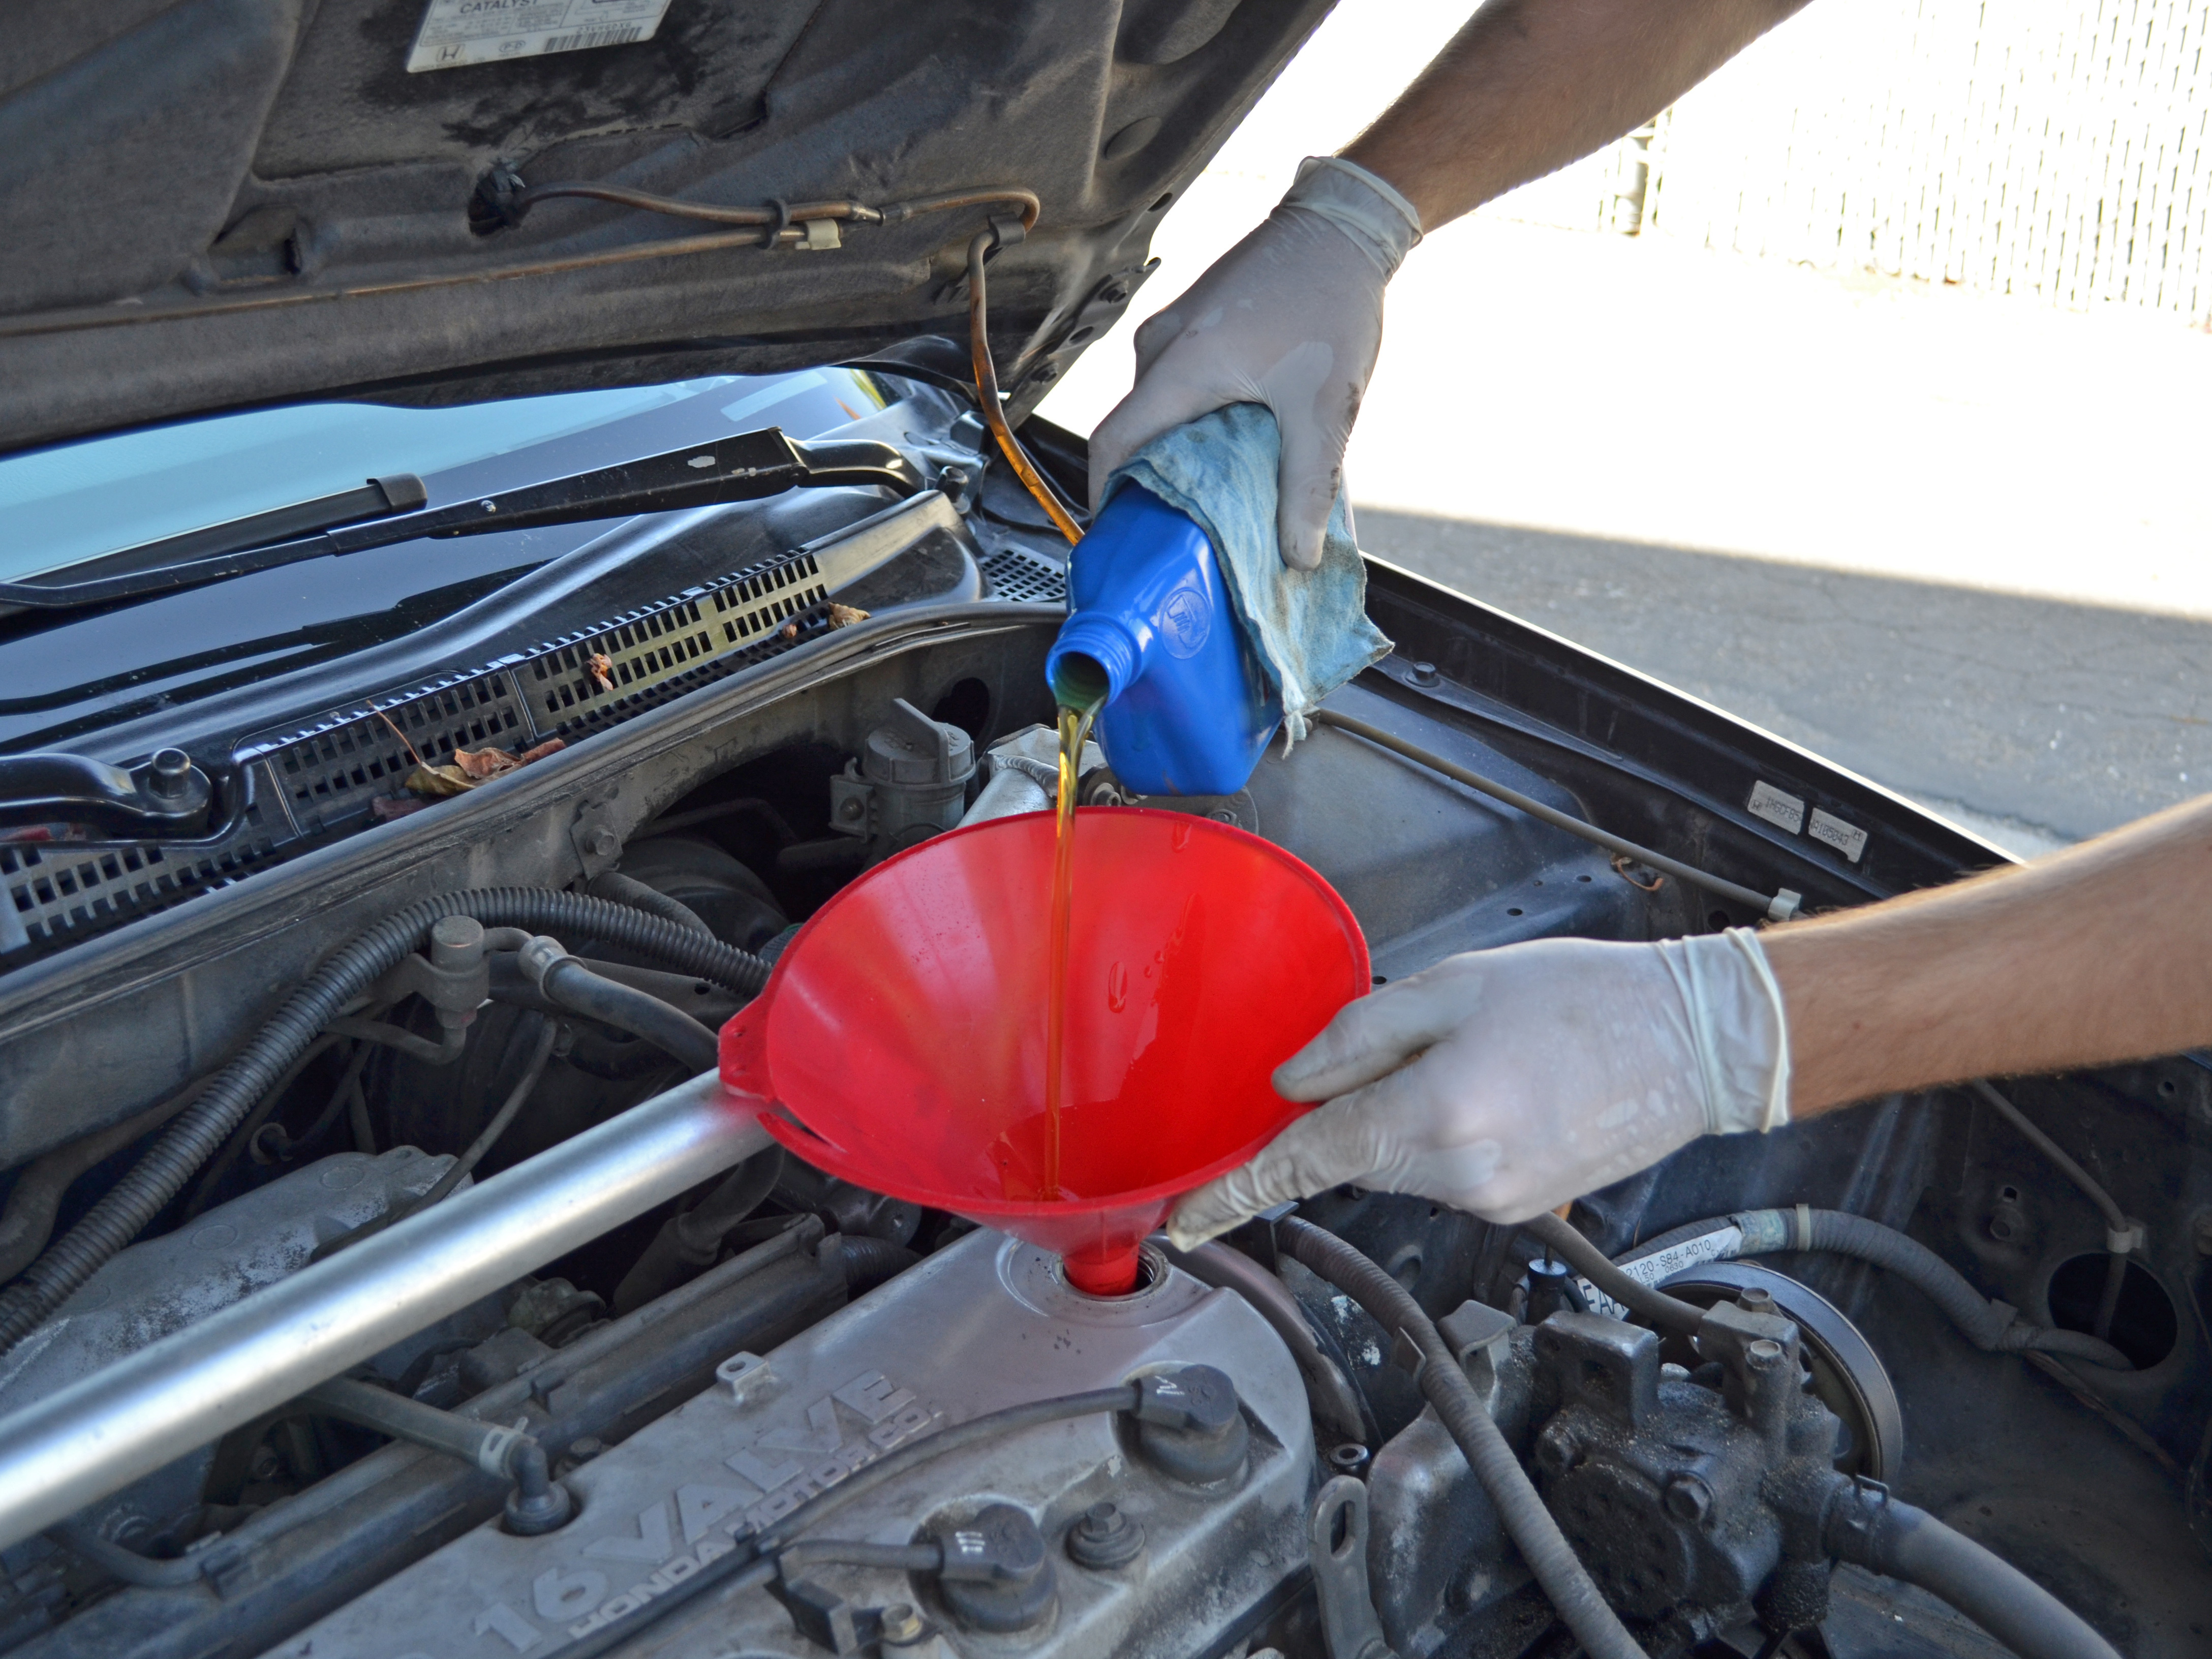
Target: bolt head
<point>1558,1450</point>
<point>1425,673</point>
<point>1764,1352</point>
<point>1101,1520</point>
<point>1688,1498</point>
<point>170,776</point>
<point>1103,1537</point>
<point>901,1624</point>
<point>1114,293</point>
<point>603,843</point>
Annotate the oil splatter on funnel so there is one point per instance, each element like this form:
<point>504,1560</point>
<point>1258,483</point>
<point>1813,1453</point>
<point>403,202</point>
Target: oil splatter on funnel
<point>900,1043</point>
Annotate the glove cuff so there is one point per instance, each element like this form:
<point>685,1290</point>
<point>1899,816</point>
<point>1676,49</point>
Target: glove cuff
<point>1380,222</point>
<point>1737,1028</point>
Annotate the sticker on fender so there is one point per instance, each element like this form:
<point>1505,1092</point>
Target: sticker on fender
<point>458,33</point>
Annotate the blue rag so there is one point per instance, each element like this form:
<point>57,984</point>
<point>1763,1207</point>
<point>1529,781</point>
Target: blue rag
<point>1310,626</point>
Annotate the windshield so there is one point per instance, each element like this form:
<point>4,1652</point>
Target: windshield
<point>76,501</point>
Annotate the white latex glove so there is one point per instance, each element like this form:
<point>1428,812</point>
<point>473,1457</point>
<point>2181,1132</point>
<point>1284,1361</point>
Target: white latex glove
<point>1506,1082</point>
<point>1292,316</point>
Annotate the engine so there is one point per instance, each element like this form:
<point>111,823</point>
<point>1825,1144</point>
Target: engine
<point>740,1407</point>
<point>1156,1475</point>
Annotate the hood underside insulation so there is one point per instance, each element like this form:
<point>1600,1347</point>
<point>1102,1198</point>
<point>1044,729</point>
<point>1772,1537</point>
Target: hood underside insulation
<point>217,203</point>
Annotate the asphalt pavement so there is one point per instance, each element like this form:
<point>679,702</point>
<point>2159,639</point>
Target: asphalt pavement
<point>1958,542</point>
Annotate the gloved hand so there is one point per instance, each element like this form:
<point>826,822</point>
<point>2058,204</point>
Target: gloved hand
<point>1292,316</point>
<point>1506,1082</point>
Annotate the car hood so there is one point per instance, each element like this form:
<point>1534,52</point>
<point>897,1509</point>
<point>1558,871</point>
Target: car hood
<point>213,203</point>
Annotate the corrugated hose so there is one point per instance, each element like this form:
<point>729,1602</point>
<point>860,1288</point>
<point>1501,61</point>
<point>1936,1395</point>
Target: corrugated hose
<point>202,1127</point>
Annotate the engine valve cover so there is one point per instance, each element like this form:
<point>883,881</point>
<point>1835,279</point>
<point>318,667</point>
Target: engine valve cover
<point>987,1323</point>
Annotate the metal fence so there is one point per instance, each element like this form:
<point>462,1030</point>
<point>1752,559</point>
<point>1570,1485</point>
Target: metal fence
<point>2050,147</point>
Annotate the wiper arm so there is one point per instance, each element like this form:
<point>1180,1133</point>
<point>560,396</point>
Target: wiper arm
<point>746,467</point>
<point>165,796</point>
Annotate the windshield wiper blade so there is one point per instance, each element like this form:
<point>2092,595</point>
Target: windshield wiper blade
<point>379,498</point>
<point>746,467</point>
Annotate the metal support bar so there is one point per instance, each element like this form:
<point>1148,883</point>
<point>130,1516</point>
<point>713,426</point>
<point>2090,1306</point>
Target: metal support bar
<point>143,1411</point>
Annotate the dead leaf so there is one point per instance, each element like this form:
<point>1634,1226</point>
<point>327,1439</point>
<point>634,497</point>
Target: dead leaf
<point>603,671</point>
<point>385,808</point>
<point>470,767</point>
<point>481,764</point>
<point>439,781</point>
<point>791,630</point>
<point>844,616</point>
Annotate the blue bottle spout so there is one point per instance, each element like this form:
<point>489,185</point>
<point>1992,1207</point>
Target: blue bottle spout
<point>1093,660</point>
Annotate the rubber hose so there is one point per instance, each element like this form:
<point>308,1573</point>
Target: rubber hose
<point>675,1033</point>
<point>1586,1259</point>
<point>1982,1320</point>
<point>2108,1302</point>
<point>1527,1523</point>
<point>2073,1345</point>
<point>36,1198</point>
<point>1904,1542</point>
<point>689,1242</point>
<point>620,889</point>
<point>1989,1326</point>
<point>1328,1393</point>
<point>202,1127</point>
<point>121,1562</point>
<point>742,1191</point>
<point>870,1261</point>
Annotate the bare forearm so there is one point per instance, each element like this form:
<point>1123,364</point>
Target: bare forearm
<point>1530,85</point>
<point>2098,954</point>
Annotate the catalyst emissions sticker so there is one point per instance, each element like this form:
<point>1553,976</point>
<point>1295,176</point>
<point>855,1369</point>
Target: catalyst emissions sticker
<point>458,33</point>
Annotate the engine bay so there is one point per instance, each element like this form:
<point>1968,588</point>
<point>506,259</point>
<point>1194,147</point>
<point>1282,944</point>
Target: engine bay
<point>634,1440</point>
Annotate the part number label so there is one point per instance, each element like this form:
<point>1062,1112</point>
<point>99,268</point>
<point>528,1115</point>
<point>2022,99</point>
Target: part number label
<point>1720,1245</point>
<point>1846,838</point>
<point>1777,806</point>
<point>458,33</point>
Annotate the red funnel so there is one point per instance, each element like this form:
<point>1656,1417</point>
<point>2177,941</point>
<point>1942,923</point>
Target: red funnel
<point>900,1043</point>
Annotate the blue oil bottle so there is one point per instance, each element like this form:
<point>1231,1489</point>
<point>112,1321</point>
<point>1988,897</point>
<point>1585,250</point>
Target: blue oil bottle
<point>1154,636</point>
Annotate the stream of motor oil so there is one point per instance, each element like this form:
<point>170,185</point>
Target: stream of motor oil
<point>1074,729</point>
